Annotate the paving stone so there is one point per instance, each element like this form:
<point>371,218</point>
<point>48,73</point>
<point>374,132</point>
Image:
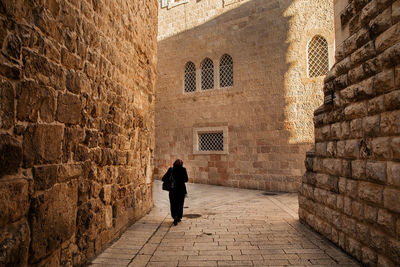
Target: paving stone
<point>235,263</point>
<point>326,262</point>
<point>263,251</point>
<point>281,257</point>
<point>219,252</point>
<point>271,263</point>
<point>205,247</point>
<point>302,251</point>
<point>164,264</point>
<point>163,258</point>
<point>210,258</point>
<point>176,253</point>
<point>197,263</point>
<point>247,257</point>
<point>140,261</point>
<point>148,249</point>
<point>114,261</point>
<point>312,256</point>
<point>116,255</point>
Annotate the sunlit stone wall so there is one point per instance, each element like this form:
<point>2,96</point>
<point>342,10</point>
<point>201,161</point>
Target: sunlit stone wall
<point>268,112</point>
<point>76,126</point>
<point>351,190</point>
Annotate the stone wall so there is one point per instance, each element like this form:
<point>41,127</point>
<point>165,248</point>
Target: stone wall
<point>351,190</point>
<point>268,112</point>
<point>76,126</point>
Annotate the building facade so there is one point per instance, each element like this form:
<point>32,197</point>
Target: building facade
<point>237,84</point>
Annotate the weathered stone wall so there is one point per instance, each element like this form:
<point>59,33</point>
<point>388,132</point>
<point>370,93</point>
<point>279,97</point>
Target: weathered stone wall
<point>351,190</point>
<point>76,126</point>
<point>268,111</point>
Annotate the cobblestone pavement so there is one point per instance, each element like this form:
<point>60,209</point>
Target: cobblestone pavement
<point>223,227</point>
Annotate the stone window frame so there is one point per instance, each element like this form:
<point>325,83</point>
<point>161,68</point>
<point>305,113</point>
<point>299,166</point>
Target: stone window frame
<point>230,2</point>
<point>163,3</point>
<point>174,3</point>
<point>307,55</point>
<point>218,129</point>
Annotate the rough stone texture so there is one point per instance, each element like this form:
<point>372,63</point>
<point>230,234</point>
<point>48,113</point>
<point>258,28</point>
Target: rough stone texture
<point>68,108</point>
<point>10,154</point>
<point>6,104</point>
<point>268,111</point>
<point>52,217</point>
<point>367,202</point>
<point>42,144</point>
<point>76,126</point>
<point>14,200</point>
<point>14,243</point>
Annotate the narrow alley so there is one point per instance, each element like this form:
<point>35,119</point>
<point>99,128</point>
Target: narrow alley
<point>223,227</point>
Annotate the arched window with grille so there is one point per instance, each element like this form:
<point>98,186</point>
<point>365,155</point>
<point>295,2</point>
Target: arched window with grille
<point>207,74</point>
<point>318,57</point>
<point>226,71</point>
<point>190,77</point>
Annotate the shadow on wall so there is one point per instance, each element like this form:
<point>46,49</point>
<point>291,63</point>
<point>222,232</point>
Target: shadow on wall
<point>263,152</point>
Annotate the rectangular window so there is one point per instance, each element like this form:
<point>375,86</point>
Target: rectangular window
<point>210,140</point>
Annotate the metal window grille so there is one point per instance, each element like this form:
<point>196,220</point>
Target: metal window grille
<point>226,71</point>
<point>190,77</point>
<point>318,58</point>
<point>207,74</point>
<point>211,141</point>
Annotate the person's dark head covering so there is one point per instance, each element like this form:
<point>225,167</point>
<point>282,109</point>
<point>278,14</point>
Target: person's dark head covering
<point>178,163</point>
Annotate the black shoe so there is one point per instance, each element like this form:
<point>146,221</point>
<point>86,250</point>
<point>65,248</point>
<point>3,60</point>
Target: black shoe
<point>176,222</point>
<point>179,220</point>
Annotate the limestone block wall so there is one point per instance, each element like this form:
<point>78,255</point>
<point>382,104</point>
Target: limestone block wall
<point>76,126</point>
<point>267,112</point>
<point>351,190</point>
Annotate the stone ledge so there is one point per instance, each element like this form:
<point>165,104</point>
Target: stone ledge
<point>174,4</point>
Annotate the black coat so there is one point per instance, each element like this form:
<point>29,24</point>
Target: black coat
<point>180,176</point>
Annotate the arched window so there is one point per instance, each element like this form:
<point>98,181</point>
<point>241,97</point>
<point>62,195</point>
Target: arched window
<point>207,74</point>
<point>190,77</point>
<point>318,58</point>
<point>226,71</point>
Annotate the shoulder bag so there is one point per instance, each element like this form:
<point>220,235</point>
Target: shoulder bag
<point>169,183</point>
